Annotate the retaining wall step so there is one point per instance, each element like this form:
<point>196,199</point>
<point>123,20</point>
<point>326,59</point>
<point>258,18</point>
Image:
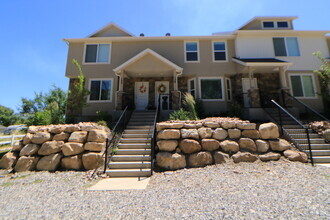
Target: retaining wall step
<point>133,151</point>
<point>139,127</point>
<point>316,146</point>
<point>135,140</point>
<point>312,141</point>
<point>304,136</point>
<point>293,127</point>
<point>320,153</point>
<point>130,165</point>
<point>140,123</point>
<point>137,131</point>
<point>298,131</point>
<point>321,159</point>
<point>118,158</point>
<point>136,135</point>
<point>134,145</point>
<point>129,172</point>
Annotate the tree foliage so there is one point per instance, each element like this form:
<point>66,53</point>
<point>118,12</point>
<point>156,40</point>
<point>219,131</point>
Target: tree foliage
<point>7,116</point>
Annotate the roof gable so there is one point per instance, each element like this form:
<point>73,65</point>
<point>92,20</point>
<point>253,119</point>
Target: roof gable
<point>111,30</point>
<point>255,22</point>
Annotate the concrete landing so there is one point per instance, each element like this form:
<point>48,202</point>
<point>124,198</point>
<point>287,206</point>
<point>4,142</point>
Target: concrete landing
<point>121,184</point>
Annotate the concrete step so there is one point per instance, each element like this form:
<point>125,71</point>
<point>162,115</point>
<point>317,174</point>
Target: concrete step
<point>140,123</point>
<point>304,136</point>
<point>128,172</point>
<point>122,158</point>
<point>312,141</point>
<point>135,140</point>
<point>316,146</point>
<point>136,135</point>
<point>140,120</point>
<point>139,127</point>
<point>137,131</point>
<point>134,146</point>
<point>298,131</point>
<point>320,153</point>
<point>130,165</point>
<point>321,159</point>
<point>292,126</point>
<point>144,151</point>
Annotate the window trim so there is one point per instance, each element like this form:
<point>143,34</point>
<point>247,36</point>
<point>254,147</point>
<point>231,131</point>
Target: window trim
<point>229,89</point>
<point>286,47</point>
<point>313,81</point>
<point>189,88</point>
<point>213,51</point>
<point>92,63</point>
<point>275,25</point>
<point>211,77</point>
<point>185,51</point>
<point>89,88</point>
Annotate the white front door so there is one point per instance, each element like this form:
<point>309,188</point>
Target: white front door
<point>161,87</point>
<point>141,95</point>
<point>246,86</point>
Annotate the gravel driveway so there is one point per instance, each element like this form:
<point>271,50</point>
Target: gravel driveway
<point>274,190</point>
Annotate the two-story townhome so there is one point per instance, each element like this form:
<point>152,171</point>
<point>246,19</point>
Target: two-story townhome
<point>248,65</point>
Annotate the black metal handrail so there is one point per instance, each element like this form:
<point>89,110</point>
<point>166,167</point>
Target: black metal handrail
<point>153,135</point>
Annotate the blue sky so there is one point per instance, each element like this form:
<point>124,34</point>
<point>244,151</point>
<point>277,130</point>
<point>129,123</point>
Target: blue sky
<point>33,56</point>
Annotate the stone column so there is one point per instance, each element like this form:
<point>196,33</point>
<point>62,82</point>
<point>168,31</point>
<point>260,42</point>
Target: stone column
<point>254,98</point>
<point>176,95</point>
<point>119,100</point>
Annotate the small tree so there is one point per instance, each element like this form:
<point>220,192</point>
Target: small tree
<point>7,116</point>
<point>324,75</point>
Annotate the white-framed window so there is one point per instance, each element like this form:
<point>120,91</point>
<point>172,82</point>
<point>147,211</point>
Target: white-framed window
<point>302,85</point>
<point>97,53</point>
<point>100,90</point>
<point>192,87</point>
<point>219,51</point>
<point>191,51</point>
<point>211,88</point>
<point>275,24</point>
<point>228,89</point>
<point>286,46</point>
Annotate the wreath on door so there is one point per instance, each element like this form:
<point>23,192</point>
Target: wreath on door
<point>161,89</point>
<point>143,89</point>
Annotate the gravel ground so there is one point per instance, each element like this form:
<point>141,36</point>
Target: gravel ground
<point>275,190</point>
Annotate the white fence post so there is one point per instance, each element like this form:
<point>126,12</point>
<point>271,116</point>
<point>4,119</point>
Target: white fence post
<point>12,140</point>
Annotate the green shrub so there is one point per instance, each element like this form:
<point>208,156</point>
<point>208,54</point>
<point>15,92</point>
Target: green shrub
<point>180,115</point>
<point>102,123</point>
<point>235,110</point>
<point>40,118</point>
<point>200,108</point>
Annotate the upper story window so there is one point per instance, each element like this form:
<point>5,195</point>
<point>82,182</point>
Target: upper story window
<point>286,46</point>
<point>219,51</point>
<point>191,51</point>
<point>275,24</point>
<point>100,90</point>
<point>268,24</point>
<point>97,53</point>
<point>302,85</point>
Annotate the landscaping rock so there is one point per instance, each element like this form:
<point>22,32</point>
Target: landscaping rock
<point>189,133</point>
<point>49,163</point>
<point>72,148</point>
<point>167,145</point>
<point>61,137</point>
<point>72,163</point>
<point>279,145</point>
<point>246,126</point>
<point>29,150</point>
<point>326,135</point>
<point>192,125</point>
<point>78,136</point>
<point>262,146</point>
<point>92,160</point>
<point>57,129</point>
<point>205,132</point>
<point>26,164</point>
<point>50,147</point>
<point>294,155</point>
<point>17,146</point>
<point>189,146</point>
<point>32,129</point>
<point>220,157</point>
<point>244,157</point>
<point>270,156</point>
<point>220,134</point>
<point>229,146</point>
<point>253,134</point>
<point>170,161</point>
<point>41,137</point>
<point>97,136</point>
<point>71,128</point>
<point>27,138</point>
<point>234,133</point>
<point>169,134</point>
<point>200,159</point>
<point>211,124</point>
<point>8,160</point>
<point>164,125</point>
<point>247,144</point>
<point>228,124</point>
<point>269,131</point>
<point>94,146</point>
<point>210,144</point>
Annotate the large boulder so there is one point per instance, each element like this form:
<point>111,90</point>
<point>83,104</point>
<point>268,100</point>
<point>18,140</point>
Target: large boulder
<point>72,163</point>
<point>56,129</point>
<point>41,137</point>
<point>294,155</point>
<point>247,144</point>
<point>78,136</point>
<point>189,133</point>
<point>72,148</point>
<point>8,160</point>
<point>229,146</point>
<point>50,147</point>
<point>92,160</point>
<point>228,124</point>
<point>27,138</point>
<point>234,133</point>
<point>71,128</point>
<point>29,150</point>
<point>192,125</point>
<point>61,137</point>
<point>26,164</point>
<point>268,131</point>
<point>270,156</point>
<point>279,145</point>
<point>189,146</point>
<point>17,146</point>
<point>326,135</point>
<point>220,157</point>
<point>244,157</point>
<point>262,146</point>
<point>246,125</point>
<point>210,144</point>
<point>211,124</point>
<point>32,129</point>
<point>49,163</point>
<point>167,145</point>
<point>95,146</point>
<point>171,161</point>
<point>164,125</point>
<point>200,159</point>
<point>97,135</point>
<point>205,132</point>
<point>169,134</point>
<point>253,134</point>
<point>220,134</point>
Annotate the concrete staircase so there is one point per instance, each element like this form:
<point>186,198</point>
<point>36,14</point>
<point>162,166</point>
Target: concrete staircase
<point>297,135</point>
<point>133,157</point>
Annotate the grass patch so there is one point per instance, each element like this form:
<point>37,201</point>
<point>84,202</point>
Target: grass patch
<point>38,181</point>
<point>6,184</point>
<point>21,177</point>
